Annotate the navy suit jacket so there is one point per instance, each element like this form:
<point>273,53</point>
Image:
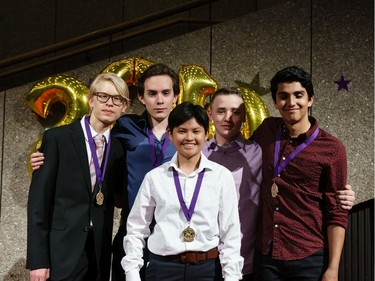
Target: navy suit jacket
<point>61,204</point>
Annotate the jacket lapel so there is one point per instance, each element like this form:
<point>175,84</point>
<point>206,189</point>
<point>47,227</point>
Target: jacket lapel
<point>79,143</point>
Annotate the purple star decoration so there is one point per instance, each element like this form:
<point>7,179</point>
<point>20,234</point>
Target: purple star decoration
<point>343,84</point>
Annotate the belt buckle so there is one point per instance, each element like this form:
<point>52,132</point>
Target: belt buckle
<point>189,258</point>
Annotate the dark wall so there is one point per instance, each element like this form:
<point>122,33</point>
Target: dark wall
<point>30,25</point>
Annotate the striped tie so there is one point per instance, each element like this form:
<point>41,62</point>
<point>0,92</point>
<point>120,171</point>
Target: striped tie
<point>99,140</point>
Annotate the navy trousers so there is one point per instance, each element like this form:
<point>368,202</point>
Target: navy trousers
<point>307,269</point>
<point>162,269</point>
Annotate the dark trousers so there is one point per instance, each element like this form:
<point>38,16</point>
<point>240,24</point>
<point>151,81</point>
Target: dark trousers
<point>163,269</point>
<point>118,253</point>
<point>86,268</point>
<point>307,269</point>
<point>248,277</point>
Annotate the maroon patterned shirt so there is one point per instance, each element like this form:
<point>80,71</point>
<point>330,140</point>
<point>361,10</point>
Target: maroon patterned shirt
<point>293,224</point>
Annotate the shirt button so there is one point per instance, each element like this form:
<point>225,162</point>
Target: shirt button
<point>276,225</point>
<point>283,158</point>
<point>277,208</point>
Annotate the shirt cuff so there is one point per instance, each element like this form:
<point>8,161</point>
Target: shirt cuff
<point>227,279</point>
<point>133,275</point>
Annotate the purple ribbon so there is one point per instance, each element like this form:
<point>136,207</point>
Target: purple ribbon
<point>188,212</point>
<point>157,161</point>
<point>278,168</point>
<point>98,172</point>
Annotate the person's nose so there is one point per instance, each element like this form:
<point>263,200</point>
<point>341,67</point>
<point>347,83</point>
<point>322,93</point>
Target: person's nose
<point>227,115</point>
<point>159,99</point>
<point>189,135</point>
<point>291,101</point>
<point>110,101</point>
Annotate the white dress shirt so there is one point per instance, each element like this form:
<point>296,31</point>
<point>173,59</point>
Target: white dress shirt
<point>215,219</point>
<point>93,134</point>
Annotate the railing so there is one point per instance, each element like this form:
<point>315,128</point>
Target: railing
<point>357,260</point>
<point>107,36</point>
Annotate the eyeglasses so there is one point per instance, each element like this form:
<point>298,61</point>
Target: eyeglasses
<point>103,98</point>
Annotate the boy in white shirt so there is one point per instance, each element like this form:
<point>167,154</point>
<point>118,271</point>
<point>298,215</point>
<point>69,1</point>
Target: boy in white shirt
<point>195,206</point>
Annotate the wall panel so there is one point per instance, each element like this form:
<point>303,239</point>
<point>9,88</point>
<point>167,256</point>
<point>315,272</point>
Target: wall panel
<point>344,45</point>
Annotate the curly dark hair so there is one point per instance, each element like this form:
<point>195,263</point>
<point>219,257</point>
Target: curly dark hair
<point>292,74</point>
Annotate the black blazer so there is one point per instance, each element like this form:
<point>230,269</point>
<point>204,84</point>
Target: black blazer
<point>61,204</point>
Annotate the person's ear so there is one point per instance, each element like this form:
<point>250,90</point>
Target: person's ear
<point>175,97</point>
<point>209,112</point>
<point>169,133</point>
<point>311,101</point>
<point>125,106</point>
<point>141,99</point>
<point>91,104</point>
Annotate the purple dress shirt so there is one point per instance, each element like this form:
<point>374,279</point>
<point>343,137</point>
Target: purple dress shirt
<point>244,159</point>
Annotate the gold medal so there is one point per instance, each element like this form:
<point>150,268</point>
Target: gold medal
<point>99,198</point>
<point>188,234</point>
<point>274,190</point>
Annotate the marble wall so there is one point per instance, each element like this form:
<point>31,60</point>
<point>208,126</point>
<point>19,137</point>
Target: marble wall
<point>327,38</point>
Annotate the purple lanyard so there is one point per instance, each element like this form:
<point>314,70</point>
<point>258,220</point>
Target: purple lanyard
<point>98,172</point>
<point>188,212</point>
<point>157,161</point>
<point>278,168</point>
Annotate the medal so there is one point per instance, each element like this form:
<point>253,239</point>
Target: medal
<point>274,190</point>
<point>99,198</point>
<point>188,234</point>
<point>99,173</point>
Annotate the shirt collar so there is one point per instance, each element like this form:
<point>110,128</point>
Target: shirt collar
<point>144,123</point>
<point>304,136</point>
<point>93,132</point>
<point>235,145</point>
<point>203,164</point>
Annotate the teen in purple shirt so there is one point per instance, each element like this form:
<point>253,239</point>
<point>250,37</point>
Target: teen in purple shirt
<point>243,158</point>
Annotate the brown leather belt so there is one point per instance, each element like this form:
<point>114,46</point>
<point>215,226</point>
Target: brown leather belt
<point>194,257</point>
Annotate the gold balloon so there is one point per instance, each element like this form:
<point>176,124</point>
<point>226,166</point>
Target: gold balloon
<point>58,100</point>
<point>128,69</point>
<point>211,129</point>
<point>140,65</point>
<point>195,84</point>
<point>123,68</point>
<point>256,111</point>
